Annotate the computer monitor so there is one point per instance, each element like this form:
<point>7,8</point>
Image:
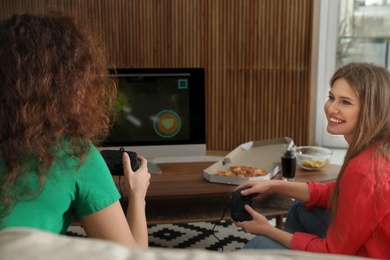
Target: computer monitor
<point>161,112</point>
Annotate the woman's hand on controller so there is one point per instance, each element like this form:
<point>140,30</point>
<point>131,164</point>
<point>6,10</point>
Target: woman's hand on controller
<point>259,225</point>
<point>136,183</point>
<point>257,188</point>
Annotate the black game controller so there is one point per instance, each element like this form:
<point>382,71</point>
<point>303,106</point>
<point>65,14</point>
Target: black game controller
<point>238,212</point>
<point>114,160</point>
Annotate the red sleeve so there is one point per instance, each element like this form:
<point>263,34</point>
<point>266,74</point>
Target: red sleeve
<point>319,194</point>
<point>346,234</point>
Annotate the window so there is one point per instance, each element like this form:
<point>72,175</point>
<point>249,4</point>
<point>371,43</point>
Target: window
<point>350,30</point>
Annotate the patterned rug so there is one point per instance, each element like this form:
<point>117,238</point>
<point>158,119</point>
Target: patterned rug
<point>223,236</point>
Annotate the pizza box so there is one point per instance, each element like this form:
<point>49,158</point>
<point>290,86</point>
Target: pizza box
<point>263,154</point>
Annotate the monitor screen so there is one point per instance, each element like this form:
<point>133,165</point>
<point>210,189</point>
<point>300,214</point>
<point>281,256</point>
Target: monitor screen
<point>161,112</point>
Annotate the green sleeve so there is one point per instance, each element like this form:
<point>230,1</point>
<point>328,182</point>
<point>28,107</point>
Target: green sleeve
<point>95,187</point>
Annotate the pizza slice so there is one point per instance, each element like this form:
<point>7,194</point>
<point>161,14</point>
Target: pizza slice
<point>242,172</point>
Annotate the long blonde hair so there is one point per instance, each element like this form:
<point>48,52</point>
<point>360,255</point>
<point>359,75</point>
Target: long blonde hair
<point>372,85</point>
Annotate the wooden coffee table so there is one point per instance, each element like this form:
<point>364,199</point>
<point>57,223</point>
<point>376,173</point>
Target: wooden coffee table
<point>181,195</point>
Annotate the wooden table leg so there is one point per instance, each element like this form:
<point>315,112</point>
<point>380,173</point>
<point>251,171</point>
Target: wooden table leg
<point>279,221</point>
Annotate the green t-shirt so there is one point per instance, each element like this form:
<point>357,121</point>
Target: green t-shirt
<point>68,191</point>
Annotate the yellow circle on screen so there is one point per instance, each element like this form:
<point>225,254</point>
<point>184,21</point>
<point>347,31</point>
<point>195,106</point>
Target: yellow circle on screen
<point>167,123</point>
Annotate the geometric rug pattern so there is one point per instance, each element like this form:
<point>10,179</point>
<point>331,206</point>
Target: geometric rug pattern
<point>223,236</point>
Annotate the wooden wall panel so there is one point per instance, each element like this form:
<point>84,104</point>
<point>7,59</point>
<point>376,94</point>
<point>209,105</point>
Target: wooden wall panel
<point>256,54</point>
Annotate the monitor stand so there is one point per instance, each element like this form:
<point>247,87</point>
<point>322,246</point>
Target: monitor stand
<point>153,168</point>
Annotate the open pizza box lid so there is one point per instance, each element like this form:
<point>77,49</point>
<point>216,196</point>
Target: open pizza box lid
<point>263,154</point>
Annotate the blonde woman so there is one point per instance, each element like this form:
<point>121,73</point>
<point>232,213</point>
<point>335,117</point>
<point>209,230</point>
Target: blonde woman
<point>350,216</point>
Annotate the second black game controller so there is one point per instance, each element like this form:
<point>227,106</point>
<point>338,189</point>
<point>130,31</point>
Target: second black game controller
<point>114,160</point>
<point>238,211</point>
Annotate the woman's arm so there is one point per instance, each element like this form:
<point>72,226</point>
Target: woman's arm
<point>297,190</point>
<point>111,223</point>
<point>137,184</point>
<point>259,225</point>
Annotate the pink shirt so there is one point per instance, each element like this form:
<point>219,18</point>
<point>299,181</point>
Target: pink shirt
<point>362,222</point>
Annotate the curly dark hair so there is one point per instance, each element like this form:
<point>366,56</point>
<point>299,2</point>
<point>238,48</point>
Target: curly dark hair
<point>54,84</point>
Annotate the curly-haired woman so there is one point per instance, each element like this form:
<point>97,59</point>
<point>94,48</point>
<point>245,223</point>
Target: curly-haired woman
<point>56,103</point>
<point>350,216</point>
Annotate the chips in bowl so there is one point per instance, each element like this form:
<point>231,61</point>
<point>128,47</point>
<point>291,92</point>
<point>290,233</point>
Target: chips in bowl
<point>313,157</point>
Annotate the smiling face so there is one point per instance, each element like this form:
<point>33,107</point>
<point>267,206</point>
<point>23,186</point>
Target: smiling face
<point>342,110</point>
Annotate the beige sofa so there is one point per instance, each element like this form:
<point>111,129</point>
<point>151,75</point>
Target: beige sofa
<point>31,244</point>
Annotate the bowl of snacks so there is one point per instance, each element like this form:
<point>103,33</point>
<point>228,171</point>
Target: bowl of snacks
<point>312,157</point>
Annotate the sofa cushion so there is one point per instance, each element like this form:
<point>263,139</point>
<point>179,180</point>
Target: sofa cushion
<point>32,244</point>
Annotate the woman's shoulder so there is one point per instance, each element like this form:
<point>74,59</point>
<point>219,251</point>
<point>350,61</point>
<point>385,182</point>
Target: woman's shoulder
<point>69,158</point>
<point>75,148</point>
<point>93,157</point>
<point>368,164</point>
